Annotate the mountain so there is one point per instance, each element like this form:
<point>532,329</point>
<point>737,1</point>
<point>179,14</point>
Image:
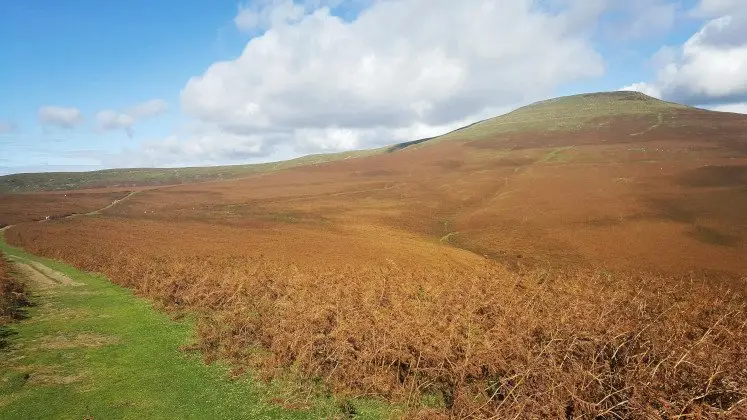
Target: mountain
<point>141,177</point>
<point>576,252</point>
<point>567,113</point>
<point>607,178</point>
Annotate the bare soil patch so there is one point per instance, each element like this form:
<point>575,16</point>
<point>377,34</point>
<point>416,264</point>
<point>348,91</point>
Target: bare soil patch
<point>34,277</point>
<point>49,376</point>
<point>85,340</point>
<point>41,275</point>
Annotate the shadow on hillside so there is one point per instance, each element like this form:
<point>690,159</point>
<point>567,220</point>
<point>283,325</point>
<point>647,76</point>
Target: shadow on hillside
<point>716,176</point>
<point>712,236</point>
<point>6,336</point>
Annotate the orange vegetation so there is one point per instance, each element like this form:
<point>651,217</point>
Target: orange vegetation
<point>595,272</point>
<point>12,297</point>
<point>31,207</point>
<point>483,340</point>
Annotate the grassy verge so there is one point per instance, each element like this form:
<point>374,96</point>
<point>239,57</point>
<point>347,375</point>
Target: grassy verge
<point>96,351</point>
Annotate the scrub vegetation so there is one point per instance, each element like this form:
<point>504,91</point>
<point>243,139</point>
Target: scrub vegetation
<point>578,258</point>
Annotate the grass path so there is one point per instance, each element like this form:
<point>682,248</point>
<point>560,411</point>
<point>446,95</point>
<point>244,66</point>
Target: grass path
<point>90,349</point>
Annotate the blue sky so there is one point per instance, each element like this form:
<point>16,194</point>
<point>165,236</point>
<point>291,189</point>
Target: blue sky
<point>96,55</point>
<point>232,82</point>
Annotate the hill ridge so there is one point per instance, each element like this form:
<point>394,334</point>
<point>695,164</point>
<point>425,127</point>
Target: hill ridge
<point>561,113</point>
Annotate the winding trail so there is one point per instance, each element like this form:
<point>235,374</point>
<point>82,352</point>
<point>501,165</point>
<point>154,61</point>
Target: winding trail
<point>448,236</point>
<point>39,274</point>
<point>90,213</point>
<point>659,117</point>
<point>90,349</point>
<point>113,203</point>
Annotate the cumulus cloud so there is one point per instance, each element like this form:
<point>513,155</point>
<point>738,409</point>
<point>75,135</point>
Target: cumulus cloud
<point>125,120</point>
<point>200,147</point>
<point>7,127</point>
<point>210,147</point>
<point>56,116</point>
<point>317,82</point>
<point>113,120</point>
<point>198,143</point>
<point>711,66</point>
<point>643,87</point>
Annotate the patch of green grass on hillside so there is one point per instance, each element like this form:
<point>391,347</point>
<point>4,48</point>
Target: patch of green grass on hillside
<point>557,155</point>
<point>97,351</point>
<point>565,114</point>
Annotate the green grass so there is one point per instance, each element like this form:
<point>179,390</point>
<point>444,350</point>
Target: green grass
<point>564,114</point>
<point>97,351</point>
<point>557,155</point>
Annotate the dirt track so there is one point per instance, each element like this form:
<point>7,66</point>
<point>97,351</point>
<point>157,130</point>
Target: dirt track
<point>41,276</point>
<point>114,203</point>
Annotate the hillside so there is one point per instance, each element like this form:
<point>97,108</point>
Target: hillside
<point>567,113</point>
<point>569,180</point>
<point>143,177</point>
<point>578,257</point>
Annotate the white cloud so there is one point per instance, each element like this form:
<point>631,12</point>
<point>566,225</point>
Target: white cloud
<point>61,117</point>
<point>115,120</point>
<point>711,66</point>
<point>643,87</point>
<point>739,108</point>
<point>318,83</point>
<point>200,147</point>
<point>209,147</point>
<point>7,127</point>
<point>200,144</point>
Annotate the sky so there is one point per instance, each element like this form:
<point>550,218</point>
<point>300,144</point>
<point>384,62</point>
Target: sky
<point>88,84</point>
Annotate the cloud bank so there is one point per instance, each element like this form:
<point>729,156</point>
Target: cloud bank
<point>710,68</point>
<point>310,81</point>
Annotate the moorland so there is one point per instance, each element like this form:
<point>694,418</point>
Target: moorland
<point>580,257</point>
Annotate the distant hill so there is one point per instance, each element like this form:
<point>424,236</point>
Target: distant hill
<point>567,113</point>
<point>138,177</point>
<point>560,114</point>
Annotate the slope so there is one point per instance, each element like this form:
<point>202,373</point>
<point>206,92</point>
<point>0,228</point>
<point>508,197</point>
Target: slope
<point>90,349</point>
<point>588,259</point>
<point>141,177</point>
<point>555,114</point>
